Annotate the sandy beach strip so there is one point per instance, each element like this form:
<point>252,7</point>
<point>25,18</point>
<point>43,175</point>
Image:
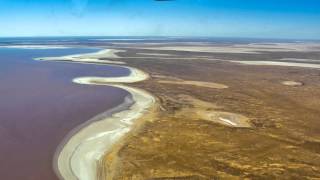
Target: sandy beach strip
<point>78,155</point>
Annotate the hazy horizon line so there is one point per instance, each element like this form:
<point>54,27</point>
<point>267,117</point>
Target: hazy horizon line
<point>160,36</point>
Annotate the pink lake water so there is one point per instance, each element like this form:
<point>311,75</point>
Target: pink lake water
<point>39,105</point>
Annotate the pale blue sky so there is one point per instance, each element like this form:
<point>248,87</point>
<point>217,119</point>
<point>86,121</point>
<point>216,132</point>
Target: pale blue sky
<point>297,19</point>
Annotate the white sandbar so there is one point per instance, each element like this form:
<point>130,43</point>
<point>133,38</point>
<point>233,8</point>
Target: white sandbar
<point>136,75</point>
<point>88,58</point>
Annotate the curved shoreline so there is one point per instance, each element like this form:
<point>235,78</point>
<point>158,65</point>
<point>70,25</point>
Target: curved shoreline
<point>78,154</point>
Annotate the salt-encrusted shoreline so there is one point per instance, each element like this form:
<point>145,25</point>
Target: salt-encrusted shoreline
<point>279,63</point>
<point>78,155</point>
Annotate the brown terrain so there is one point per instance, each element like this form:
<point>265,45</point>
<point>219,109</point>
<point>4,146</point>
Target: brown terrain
<point>218,119</point>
